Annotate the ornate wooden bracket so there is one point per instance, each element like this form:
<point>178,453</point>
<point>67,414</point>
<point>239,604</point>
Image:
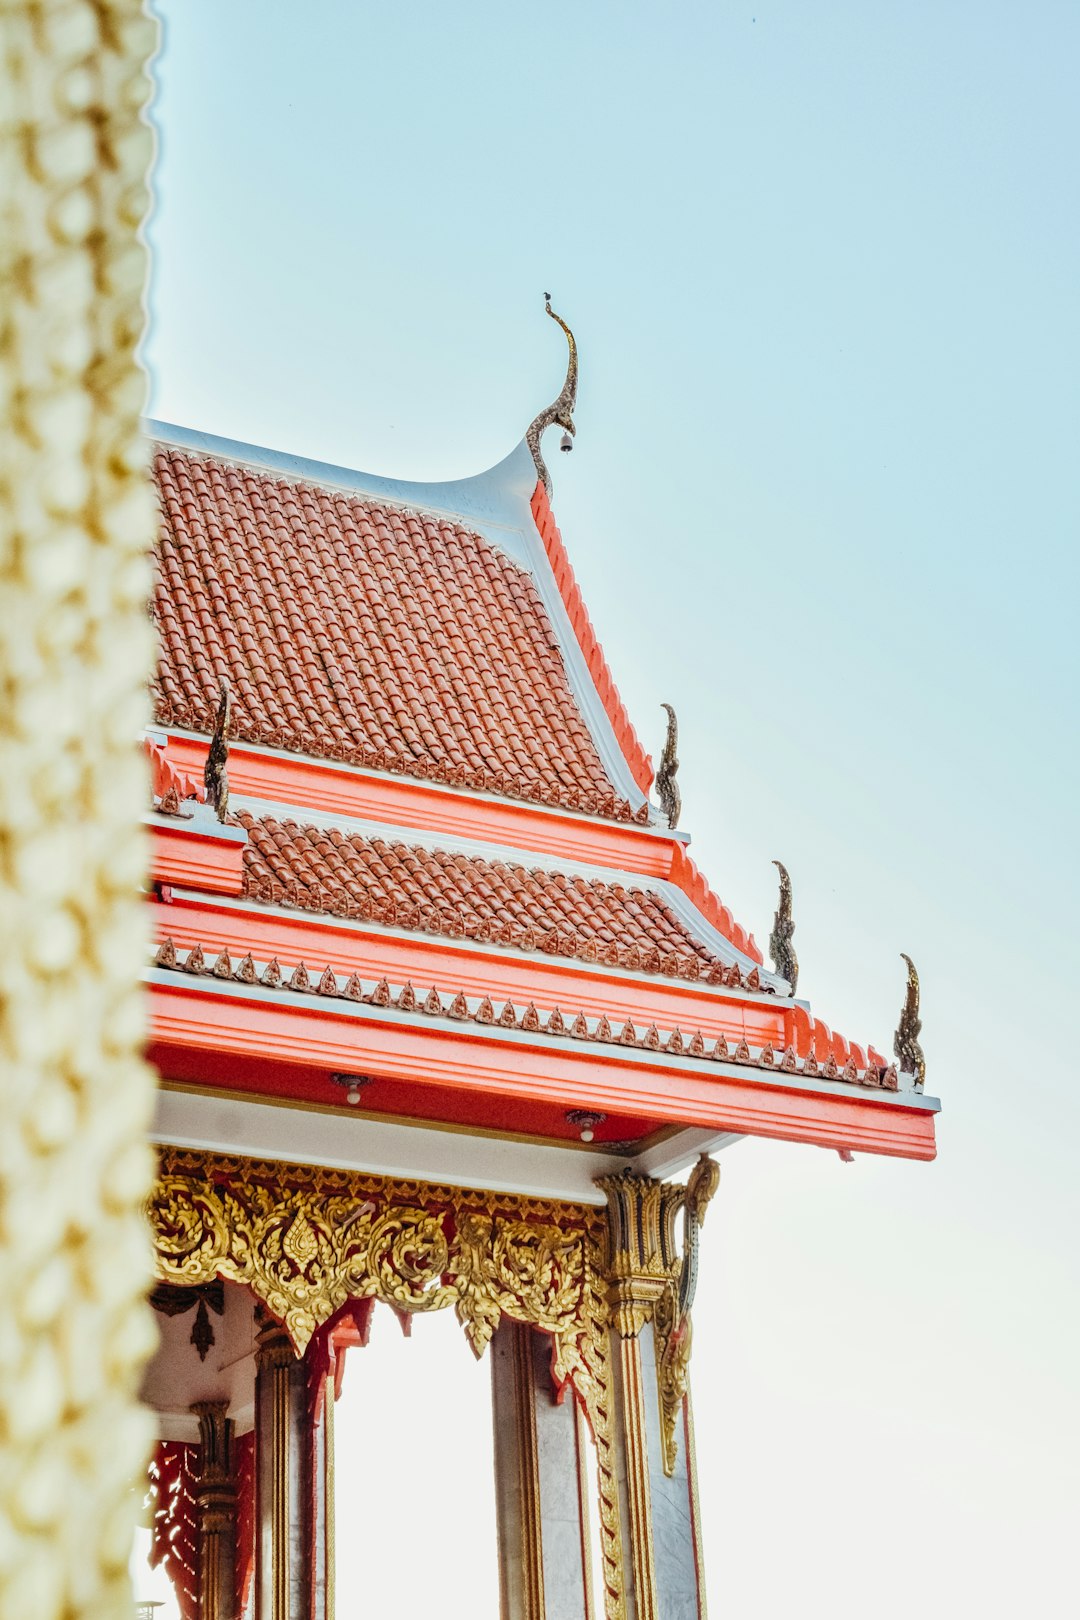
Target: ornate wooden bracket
<point>651,1281</point>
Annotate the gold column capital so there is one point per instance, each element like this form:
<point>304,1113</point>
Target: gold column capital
<point>273,1347</point>
<point>650,1280</point>
<point>642,1258</point>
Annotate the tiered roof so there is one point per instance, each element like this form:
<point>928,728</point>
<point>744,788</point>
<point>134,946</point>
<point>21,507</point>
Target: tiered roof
<point>440,867</point>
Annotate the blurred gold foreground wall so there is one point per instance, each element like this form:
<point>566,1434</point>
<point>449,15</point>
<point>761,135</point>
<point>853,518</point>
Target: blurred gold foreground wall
<point>76,524</point>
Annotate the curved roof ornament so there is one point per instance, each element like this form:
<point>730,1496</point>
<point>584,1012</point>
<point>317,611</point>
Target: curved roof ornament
<point>906,1041</point>
<point>667,789</point>
<point>784,960</point>
<point>560,412</point>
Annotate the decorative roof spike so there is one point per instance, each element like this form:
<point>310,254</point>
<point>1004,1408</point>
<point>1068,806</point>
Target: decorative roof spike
<point>667,789</point>
<point>215,774</point>
<point>784,960</point>
<point>906,1040</point>
<point>560,412</point>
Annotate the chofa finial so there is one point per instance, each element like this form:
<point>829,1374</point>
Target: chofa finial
<point>667,789</point>
<point>906,1040</point>
<point>784,960</point>
<point>560,412</point>
<point>215,774</point>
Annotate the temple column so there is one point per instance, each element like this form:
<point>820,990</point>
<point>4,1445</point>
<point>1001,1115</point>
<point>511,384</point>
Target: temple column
<point>323,1570</point>
<point>283,1478</point>
<point>216,1499</point>
<point>650,1354</point>
<point>543,1525</point>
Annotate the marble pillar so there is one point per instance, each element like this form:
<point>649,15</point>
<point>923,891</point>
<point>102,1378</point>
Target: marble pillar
<point>544,1569</point>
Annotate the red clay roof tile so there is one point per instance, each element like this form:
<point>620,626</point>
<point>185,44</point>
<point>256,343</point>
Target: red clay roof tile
<point>362,633</point>
<point>462,895</point>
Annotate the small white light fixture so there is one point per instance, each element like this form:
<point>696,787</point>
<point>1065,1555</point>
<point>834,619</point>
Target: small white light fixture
<point>566,442</point>
<point>585,1121</point>
<point>354,1085</point>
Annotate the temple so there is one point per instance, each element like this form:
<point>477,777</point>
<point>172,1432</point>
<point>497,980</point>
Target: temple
<point>446,1017</point>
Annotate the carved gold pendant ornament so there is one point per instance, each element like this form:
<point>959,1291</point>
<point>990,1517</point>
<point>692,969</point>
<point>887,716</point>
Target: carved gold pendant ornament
<point>307,1240</point>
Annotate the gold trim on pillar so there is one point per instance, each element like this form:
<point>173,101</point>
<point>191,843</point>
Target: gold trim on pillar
<point>274,1358</point>
<point>581,1441</point>
<point>532,1557</point>
<point>651,1281</point>
<point>695,1507</point>
<point>638,1491</point>
<point>329,1515</point>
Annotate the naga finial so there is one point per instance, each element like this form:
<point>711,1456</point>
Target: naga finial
<point>215,775</point>
<point>906,1040</point>
<point>782,951</point>
<point>561,412</point>
<point>667,788</point>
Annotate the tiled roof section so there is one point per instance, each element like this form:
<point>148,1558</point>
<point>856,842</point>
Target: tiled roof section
<point>466,896</point>
<point>813,1063</point>
<point>364,633</point>
<point>640,764</point>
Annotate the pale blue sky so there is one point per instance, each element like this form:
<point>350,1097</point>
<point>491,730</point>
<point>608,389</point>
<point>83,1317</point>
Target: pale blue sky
<point>822,263</point>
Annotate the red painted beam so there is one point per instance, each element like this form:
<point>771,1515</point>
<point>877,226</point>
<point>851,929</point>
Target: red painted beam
<point>199,1015</point>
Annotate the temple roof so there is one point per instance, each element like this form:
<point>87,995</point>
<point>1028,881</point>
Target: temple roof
<point>444,891</point>
<point>438,869</point>
<point>362,630</point>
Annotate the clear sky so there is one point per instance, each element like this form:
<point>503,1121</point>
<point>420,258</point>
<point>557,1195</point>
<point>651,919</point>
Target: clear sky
<point>822,262</point>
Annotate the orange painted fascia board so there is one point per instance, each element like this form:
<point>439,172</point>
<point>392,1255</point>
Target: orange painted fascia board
<point>429,960</point>
<point>194,857</point>
<point>401,802</point>
<point>638,761</point>
<point>684,873</point>
<point>202,1018</point>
